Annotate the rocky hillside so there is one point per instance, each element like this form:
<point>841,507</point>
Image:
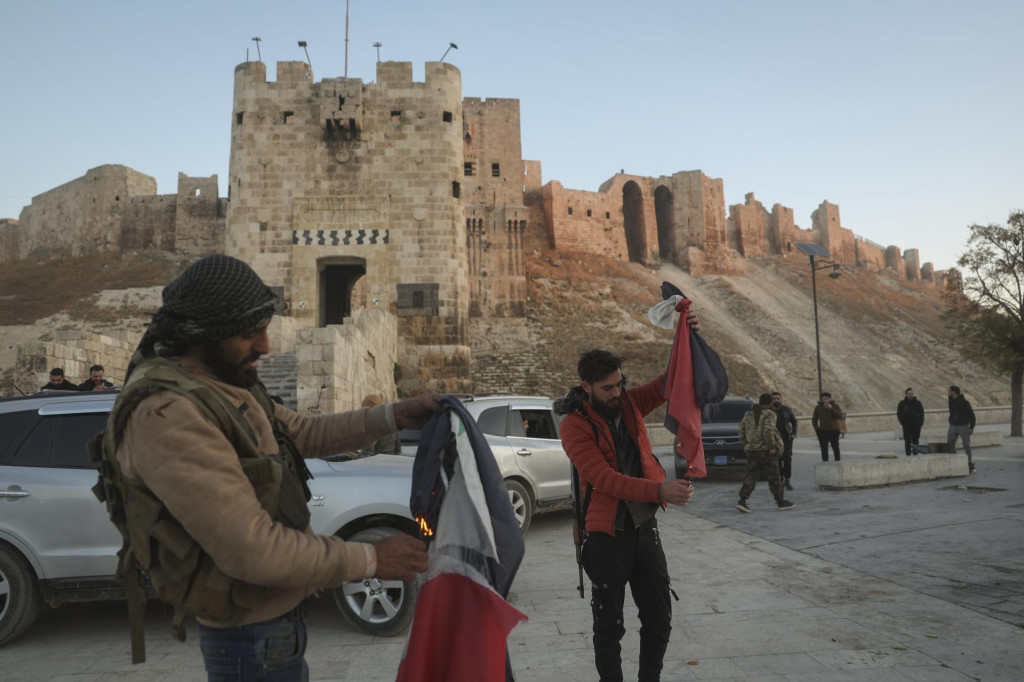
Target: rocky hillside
<point>878,335</point>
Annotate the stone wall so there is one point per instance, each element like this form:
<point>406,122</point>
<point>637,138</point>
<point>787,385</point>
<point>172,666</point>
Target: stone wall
<point>619,220</point>
<point>749,228</point>
<point>75,352</point>
<point>113,208</point>
<point>697,224</point>
<point>8,240</point>
<point>339,365</point>
<point>494,183</point>
<point>870,256</point>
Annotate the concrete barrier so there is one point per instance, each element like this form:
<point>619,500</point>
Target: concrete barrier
<point>877,472</point>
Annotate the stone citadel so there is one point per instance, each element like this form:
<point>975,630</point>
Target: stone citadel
<point>392,214</point>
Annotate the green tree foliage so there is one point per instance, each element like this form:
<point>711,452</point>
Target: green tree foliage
<point>986,304</point>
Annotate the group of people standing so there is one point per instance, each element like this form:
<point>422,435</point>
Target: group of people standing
<point>59,382</point>
<point>910,413</point>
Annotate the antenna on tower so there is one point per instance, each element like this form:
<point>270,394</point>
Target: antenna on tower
<point>256,39</point>
<point>377,45</point>
<point>346,38</point>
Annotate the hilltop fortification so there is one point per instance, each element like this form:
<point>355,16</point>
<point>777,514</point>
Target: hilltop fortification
<point>403,198</point>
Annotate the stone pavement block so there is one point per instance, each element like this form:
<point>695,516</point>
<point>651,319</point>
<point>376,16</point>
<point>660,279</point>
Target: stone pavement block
<point>779,664</point>
<point>849,659</point>
<point>865,675</point>
<point>677,665</point>
<point>933,673</point>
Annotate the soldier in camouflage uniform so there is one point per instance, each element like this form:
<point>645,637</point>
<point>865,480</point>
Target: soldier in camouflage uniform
<point>763,445</point>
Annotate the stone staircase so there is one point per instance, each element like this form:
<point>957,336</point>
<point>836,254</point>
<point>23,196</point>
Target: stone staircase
<point>278,372</point>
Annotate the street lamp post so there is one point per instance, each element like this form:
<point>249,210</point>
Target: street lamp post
<point>812,250</point>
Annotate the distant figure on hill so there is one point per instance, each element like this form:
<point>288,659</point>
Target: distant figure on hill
<point>961,424</point>
<point>910,413</point>
<point>825,421</point>
<point>58,382</point>
<point>95,382</point>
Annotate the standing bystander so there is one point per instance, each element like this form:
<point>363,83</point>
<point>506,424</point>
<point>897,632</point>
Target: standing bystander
<point>785,422</point>
<point>961,424</point>
<point>764,445</point>
<point>825,421</point>
<point>910,413</point>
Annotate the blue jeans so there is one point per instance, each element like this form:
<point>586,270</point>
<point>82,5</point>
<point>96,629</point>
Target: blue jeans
<point>270,651</point>
<point>963,431</point>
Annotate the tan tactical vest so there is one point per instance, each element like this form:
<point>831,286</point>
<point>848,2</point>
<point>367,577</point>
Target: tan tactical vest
<point>156,547</point>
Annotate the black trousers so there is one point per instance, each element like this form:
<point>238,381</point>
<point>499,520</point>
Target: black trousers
<point>826,438</point>
<point>911,436</point>
<point>633,556</point>
<point>786,461</point>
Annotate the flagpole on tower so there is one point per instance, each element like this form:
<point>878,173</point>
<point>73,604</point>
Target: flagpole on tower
<point>346,38</point>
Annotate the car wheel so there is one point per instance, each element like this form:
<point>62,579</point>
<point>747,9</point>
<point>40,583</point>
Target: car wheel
<point>382,608</point>
<point>20,598</point>
<point>522,504</point>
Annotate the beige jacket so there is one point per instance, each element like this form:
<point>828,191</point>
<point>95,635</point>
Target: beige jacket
<point>192,467</point>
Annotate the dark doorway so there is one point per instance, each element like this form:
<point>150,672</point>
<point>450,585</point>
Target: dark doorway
<point>666,229</point>
<point>633,213</point>
<point>338,279</point>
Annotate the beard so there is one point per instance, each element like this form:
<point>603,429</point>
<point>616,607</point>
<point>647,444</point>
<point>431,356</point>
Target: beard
<point>234,373</point>
<point>610,409</point>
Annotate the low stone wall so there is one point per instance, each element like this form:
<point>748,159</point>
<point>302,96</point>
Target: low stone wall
<point>339,365</point>
<point>75,352</point>
<point>884,471</point>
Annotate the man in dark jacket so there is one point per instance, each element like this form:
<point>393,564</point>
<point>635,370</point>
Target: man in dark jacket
<point>95,382</point>
<point>604,435</point>
<point>910,413</point>
<point>825,420</point>
<point>58,382</point>
<point>785,422</point>
<point>961,423</point>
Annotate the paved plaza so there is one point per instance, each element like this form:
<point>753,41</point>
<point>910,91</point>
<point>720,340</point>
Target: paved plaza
<point>920,582</point>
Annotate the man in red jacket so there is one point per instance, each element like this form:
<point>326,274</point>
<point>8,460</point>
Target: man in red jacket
<point>604,435</point>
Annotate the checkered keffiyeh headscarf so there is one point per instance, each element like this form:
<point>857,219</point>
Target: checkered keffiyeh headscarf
<point>216,297</point>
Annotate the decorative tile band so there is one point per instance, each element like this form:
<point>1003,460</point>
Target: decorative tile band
<point>339,237</point>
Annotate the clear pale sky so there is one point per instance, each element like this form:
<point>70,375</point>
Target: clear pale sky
<point>906,113</point>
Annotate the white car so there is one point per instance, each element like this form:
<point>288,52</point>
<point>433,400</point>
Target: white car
<point>523,434</point>
<point>58,545</point>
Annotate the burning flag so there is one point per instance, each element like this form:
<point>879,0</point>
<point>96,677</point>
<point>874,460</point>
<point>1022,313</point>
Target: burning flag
<point>459,498</point>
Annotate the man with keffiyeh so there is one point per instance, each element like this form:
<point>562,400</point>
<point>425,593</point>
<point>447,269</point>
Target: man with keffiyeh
<point>193,437</point>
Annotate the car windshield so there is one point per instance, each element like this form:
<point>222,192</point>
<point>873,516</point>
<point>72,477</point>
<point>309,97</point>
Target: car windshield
<point>725,413</point>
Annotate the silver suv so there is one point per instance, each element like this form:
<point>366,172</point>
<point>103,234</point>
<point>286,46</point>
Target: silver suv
<point>57,544</point>
<point>523,434</point>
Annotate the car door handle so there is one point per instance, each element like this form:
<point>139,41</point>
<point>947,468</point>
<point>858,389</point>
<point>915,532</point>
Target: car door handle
<point>15,493</point>
<point>524,452</point>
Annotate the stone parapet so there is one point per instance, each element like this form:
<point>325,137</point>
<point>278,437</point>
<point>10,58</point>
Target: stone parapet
<point>339,365</point>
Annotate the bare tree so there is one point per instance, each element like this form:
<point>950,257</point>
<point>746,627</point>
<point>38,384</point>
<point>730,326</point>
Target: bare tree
<point>987,309</point>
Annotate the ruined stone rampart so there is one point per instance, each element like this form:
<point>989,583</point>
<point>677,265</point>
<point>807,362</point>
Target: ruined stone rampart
<point>115,208</point>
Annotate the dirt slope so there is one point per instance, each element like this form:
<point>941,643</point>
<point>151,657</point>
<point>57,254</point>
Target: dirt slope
<point>878,335</point>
